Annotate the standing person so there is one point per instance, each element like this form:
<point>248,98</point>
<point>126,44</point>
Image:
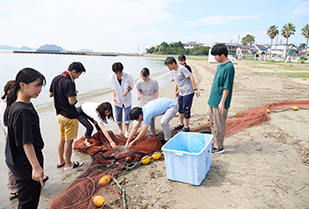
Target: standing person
<point>95,112</point>
<point>23,149</point>
<point>63,90</point>
<point>121,83</point>
<point>182,61</point>
<point>12,184</point>
<point>220,96</point>
<point>148,90</point>
<point>162,106</point>
<point>186,90</point>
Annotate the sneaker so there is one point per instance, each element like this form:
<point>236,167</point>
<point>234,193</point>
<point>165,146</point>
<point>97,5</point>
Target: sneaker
<point>127,134</point>
<point>217,151</point>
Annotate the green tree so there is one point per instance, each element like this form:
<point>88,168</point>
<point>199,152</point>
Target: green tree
<point>305,32</point>
<point>286,32</point>
<point>151,50</point>
<point>272,32</point>
<point>248,39</point>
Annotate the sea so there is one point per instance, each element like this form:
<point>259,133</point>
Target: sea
<point>92,83</point>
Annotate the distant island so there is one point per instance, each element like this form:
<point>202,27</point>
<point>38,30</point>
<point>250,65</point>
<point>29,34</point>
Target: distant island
<point>6,47</point>
<point>50,47</point>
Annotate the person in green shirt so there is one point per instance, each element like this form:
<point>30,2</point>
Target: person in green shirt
<point>220,96</point>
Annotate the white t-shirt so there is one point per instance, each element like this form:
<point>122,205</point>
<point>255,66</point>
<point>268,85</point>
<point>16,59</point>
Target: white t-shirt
<point>127,80</point>
<point>89,108</point>
<point>2,110</point>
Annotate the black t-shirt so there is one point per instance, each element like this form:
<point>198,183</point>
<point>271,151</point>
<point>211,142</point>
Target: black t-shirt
<point>63,88</point>
<point>23,128</point>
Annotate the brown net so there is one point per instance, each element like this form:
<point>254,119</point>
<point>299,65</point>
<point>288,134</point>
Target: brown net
<point>109,161</point>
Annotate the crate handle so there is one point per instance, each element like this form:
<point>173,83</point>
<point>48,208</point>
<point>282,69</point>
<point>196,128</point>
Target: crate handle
<point>178,154</point>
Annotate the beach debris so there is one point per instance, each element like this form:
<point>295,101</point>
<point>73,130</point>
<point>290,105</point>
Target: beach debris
<point>98,201</point>
<point>279,186</point>
<point>122,193</point>
<point>105,180</point>
<point>299,189</point>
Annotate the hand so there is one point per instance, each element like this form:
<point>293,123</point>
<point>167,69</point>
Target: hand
<point>76,91</point>
<point>139,97</point>
<point>113,144</point>
<point>173,79</point>
<point>115,100</point>
<point>38,174</point>
<point>221,108</point>
<point>177,94</point>
<point>197,93</point>
<point>125,93</point>
<point>131,143</point>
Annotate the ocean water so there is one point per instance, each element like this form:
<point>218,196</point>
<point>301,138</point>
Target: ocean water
<point>91,83</point>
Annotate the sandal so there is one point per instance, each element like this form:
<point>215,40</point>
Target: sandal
<point>178,127</point>
<point>75,165</point>
<point>45,178</point>
<point>13,196</point>
<point>184,129</point>
<point>59,166</point>
<point>152,136</point>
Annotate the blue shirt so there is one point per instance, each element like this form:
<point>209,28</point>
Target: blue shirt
<point>156,107</point>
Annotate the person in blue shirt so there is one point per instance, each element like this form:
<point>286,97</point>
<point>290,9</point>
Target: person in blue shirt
<point>162,106</point>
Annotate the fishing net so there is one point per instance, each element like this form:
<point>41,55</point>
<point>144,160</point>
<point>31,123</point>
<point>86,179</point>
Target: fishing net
<point>107,161</point>
<point>110,161</point>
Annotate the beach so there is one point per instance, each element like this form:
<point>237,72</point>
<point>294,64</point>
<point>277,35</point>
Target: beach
<point>261,166</point>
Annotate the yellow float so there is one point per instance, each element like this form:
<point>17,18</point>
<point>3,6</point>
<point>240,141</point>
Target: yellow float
<point>105,180</point>
<point>156,155</point>
<point>98,201</point>
<point>295,108</point>
<point>146,159</point>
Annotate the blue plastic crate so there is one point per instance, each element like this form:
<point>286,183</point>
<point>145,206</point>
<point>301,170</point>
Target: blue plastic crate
<point>188,157</point>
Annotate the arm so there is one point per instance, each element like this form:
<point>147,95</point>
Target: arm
<point>140,135</point>
<point>193,85</point>
<point>133,132</point>
<point>51,94</point>
<point>139,92</point>
<point>221,107</point>
<point>157,94</point>
<point>72,100</point>
<point>114,96</point>
<point>131,85</point>
<point>102,127</point>
<point>37,171</point>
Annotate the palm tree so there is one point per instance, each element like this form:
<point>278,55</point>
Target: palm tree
<point>272,32</point>
<point>248,39</point>
<point>286,32</point>
<point>305,32</point>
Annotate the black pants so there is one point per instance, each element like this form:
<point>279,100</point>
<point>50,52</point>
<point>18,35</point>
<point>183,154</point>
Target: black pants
<point>29,192</point>
<point>84,120</point>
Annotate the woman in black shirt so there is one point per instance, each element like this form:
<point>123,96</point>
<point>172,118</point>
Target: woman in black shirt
<point>24,143</point>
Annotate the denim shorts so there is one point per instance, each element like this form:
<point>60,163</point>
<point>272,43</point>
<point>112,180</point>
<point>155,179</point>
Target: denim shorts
<point>118,114</point>
<point>185,103</point>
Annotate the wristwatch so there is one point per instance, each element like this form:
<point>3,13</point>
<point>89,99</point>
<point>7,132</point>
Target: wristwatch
<point>195,89</point>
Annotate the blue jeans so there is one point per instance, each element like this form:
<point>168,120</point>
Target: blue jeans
<point>118,114</point>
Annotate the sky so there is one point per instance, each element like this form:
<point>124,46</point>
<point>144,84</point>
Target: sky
<point>131,26</point>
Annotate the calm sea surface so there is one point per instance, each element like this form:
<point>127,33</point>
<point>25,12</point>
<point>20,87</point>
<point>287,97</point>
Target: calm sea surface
<point>93,82</point>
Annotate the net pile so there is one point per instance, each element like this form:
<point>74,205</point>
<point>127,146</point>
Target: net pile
<point>107,161</point>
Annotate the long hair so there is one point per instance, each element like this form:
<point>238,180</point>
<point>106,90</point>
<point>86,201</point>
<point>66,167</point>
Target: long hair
<point>8,87</point>
<point>101,110</point>
<point>25,75</point>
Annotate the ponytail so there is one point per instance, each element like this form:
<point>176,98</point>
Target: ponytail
<point>11,98</point>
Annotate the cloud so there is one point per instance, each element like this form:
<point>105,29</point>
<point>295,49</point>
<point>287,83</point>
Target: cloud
<point>220,19</point>
<point>300,7</point>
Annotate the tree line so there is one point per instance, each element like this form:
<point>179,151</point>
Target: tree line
<point>178,48</point>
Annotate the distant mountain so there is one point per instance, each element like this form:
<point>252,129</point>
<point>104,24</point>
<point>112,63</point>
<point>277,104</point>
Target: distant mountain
<point>49,47</point>
<point>85,50</point>
<point>15,48</point>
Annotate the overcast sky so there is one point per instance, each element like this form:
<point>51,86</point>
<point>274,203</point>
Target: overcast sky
<point>132,25</point>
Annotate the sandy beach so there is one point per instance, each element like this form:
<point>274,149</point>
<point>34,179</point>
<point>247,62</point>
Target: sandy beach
<point>261,168</point>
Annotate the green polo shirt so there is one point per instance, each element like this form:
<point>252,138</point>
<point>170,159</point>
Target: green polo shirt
<point>223,79</point>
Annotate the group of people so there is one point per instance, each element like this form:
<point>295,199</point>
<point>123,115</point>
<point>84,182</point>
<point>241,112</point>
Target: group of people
<point>20,121</point>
